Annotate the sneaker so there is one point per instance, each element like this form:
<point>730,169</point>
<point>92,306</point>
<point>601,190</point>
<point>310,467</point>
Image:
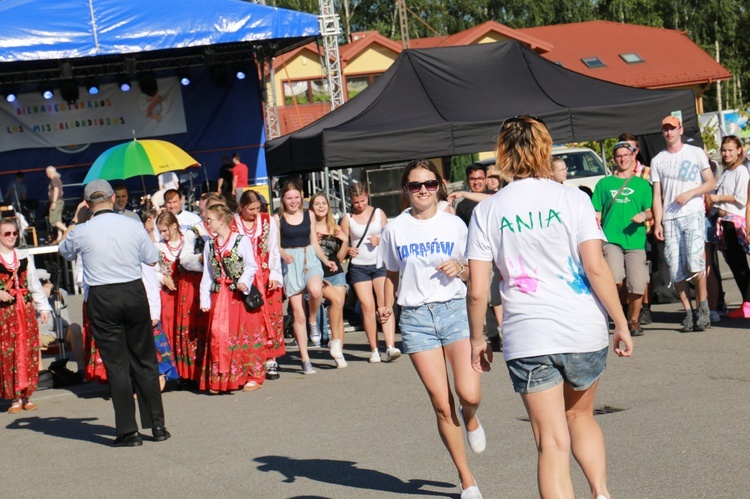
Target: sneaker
<point>715,316</point>
<point>704,320</point>
<point>392,353</point>
<point>470,492</point>
<point>741,313</point>
<point>687,323</point>
<point>341,362</point>
<point>635,328</point>
<point>307,367</point>
<point>336,351</point>
<point>374,357</point>
<point>645,316</point>
<point>314,334</point>
<point>272,370</point>
<point>476,438</point>
<point>338,354</point>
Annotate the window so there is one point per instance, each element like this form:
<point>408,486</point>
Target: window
<point>631,58</point>
<point>306,91</point>
<point>356,84</point>
<point>560,63</point>
<point>593,62</point>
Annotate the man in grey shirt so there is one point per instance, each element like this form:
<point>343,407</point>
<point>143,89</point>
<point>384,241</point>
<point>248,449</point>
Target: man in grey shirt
<point>112,248</point>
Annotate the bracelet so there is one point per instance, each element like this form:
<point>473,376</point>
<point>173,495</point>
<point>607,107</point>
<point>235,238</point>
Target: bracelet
<point>645,216</point>
<point>462,267</point>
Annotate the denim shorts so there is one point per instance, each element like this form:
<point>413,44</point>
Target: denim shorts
<point>433,325</point>
<point>578,370</point>
<point>337,280</point>
<point>364,273</point>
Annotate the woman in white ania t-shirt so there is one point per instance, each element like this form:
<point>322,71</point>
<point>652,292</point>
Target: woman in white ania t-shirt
<point>422,250</point>
<point>547,244</point>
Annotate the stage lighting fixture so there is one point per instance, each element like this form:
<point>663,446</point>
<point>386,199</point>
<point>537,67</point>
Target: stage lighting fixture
<point>47,91</point>
<point>92,86</point>
<point>184,76</point>
<point>148,84</point>
<point>123,81</point>
<point>241,74</point>
<point>8,94</point>
<point>219,75</point>
<point>69,91</point>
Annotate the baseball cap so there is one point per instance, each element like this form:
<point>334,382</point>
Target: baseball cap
<point>672,121</point>
<point>97,186</point>
<point>623,144</point>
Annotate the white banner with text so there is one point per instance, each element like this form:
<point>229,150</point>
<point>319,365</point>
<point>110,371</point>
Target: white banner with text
<point>33,122</point>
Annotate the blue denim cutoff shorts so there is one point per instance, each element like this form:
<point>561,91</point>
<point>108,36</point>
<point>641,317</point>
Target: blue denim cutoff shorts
<point>578,370</point>
<point>364,273</point>
<point>433,325</point>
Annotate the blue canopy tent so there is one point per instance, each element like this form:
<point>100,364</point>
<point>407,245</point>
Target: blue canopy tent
<point>47,43</point>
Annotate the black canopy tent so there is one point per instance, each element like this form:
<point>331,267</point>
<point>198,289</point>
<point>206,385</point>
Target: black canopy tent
<point>448,101</point>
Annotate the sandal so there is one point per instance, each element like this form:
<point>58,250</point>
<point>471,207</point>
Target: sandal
<point>28,405</point>
<point>15,407</point>
<point>251,386</point>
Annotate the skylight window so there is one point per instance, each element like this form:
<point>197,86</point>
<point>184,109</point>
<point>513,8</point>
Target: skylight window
<point>560,63</point>
<point>631,58</point>
<point>593,62</point>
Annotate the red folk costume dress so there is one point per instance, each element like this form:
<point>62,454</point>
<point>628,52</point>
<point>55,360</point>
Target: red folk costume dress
<point>235,350</point>
<point>183,322</point>
<point>169,253</point>
<point>264,239</point>
<point>19,332</point>
<point>94,366</point>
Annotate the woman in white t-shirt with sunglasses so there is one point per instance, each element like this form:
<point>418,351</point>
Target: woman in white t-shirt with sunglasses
<point>422,251</point>
<point>547,243</point>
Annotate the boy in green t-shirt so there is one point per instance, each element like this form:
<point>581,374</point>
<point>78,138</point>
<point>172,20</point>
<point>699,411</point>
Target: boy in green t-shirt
<point>623,204</point>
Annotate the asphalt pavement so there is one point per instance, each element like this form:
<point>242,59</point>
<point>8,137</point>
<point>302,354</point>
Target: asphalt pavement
<point>674,417</point>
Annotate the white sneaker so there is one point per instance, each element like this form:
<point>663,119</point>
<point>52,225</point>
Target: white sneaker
<point>341,362</point>
<point>392,353</point>
<point>374,357</point>
<point>470,492</point>
<point>476,438</point>
<point>336,351</point>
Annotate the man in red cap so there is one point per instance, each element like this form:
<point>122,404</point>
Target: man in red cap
<point>681,176</point>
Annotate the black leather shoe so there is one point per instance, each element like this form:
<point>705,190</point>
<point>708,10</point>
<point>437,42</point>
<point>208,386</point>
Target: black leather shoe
<point>128,440</point>
<point>160,434</point>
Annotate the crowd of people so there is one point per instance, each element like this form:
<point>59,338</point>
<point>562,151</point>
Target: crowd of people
<point>200,298</point>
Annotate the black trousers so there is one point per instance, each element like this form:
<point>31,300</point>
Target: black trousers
<point>736,259</point>
<point>121,325</point>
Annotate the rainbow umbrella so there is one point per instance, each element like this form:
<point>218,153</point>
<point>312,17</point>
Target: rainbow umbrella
<point>139,157</point>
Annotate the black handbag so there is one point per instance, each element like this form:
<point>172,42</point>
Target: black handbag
<point>253,300</point>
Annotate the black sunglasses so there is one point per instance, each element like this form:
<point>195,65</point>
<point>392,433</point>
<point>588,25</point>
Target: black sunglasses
<point>520,118</point>
<point>430,185</point>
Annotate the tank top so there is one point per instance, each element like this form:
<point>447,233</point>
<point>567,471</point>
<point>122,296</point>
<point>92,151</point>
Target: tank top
<point>295,236</point>
<point>368,254</point>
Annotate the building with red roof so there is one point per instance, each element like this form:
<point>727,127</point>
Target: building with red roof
<point>628,54</point>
